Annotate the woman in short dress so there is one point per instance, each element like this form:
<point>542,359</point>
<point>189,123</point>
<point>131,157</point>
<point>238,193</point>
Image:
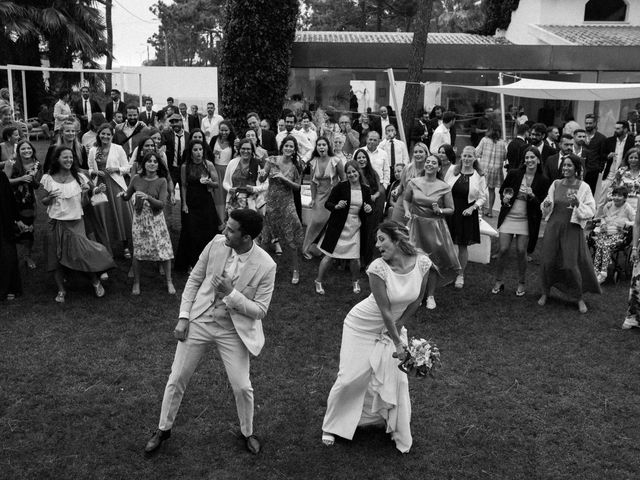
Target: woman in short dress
<point>24,180</point>
<point>349,204</point>
<point>281,219</point>
<point>326,172</point>
<point>469,191</point>
<point>427,201</point>
<point>200,222</point>
<point>491,153</point>
<point>378,196</point>
<point>370,389</point>
<point>521,193</point>
<point>566,261</point>
<point>107,165</point>
<point>413,170</point>
<point>222,147</point>
<point>151,241</point>
<point>67,246</point>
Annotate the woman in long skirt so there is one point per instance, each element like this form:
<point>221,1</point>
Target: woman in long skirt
<point>67,246</point>
<point>326,172</point>
<point>370,389</point>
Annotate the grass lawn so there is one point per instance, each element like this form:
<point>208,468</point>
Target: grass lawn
<point>524,392</point>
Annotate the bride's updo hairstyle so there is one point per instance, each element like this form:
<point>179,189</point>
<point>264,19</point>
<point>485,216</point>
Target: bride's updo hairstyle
<point>399,234</point>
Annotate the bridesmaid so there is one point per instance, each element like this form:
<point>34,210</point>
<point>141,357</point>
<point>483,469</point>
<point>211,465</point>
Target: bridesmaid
<point>566,261</point>
<point>200,222</point>
<point>413,170</point>
<point>108,164</point>
<point>24,180</point>
<point>377,197</point>
<point>326,172</point>
<point>222,147</point>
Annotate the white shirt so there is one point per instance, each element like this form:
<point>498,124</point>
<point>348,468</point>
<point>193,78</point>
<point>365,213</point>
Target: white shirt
<point>61,111</point>
<point>185,122</point>
<point>305,149</point>
<point>400,149</point>
<point>380,163</point>
<point>441,135</point>
<point>383,124</point>
<point>210,126</point>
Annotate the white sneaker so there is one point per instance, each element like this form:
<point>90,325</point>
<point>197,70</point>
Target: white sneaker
<point>431,303</point>
<point>630,322</point>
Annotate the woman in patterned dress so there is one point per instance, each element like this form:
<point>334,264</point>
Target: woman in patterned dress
<point>326,172</point>
<point>151,241</point>
<point>281,217</point>
<point>492,153</point>
<point>629,175</point>
<point>633,311</point>
<point>241,178</point>
<point>24,179</point>
<point>200,222</point>
<point>413,170</point>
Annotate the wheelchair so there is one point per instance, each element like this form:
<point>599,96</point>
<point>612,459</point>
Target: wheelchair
<point>620,265</point>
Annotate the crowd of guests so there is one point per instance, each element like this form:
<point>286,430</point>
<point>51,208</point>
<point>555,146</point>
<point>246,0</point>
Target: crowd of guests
<point>117,175</point>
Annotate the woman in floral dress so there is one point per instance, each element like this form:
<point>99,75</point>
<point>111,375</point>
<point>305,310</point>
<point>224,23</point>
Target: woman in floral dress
<point>151,240</point>
<point>281,217</point>
<point>629,175</point>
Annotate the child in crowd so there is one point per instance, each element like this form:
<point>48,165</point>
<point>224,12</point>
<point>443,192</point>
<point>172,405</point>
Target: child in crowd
<point>392,195</point>
<point>616,214</point>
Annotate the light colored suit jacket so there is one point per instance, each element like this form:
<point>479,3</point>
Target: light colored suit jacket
<point>254,290</point>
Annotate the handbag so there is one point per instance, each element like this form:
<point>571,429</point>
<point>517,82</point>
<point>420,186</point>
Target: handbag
<point>99,198</point>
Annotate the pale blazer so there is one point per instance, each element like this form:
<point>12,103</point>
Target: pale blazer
<point>117,158</point>
<point>248,305</point>
<point>477,186</point>
<point>581,214</point>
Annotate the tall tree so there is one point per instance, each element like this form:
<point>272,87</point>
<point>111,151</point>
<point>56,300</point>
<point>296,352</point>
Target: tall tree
<point>256,55</point>
<point>498,14</point>
<point>188,32</point>
<point>416,63</point>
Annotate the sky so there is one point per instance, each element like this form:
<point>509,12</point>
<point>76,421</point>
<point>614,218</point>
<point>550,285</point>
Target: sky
<point>133,24</point>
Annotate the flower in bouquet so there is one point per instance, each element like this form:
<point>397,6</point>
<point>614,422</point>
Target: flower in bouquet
<point>422,357</point>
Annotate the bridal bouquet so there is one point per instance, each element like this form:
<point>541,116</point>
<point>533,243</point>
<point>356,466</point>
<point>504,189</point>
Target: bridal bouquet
<point>422,357</point>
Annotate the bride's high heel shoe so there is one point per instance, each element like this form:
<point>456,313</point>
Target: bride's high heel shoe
<point>328,439</point>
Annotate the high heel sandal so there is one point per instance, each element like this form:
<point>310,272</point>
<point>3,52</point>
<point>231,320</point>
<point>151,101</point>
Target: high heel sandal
<point>328,439</point>
<point>319,289</point>
<point>356,287</point>
<point>520,291</point>
<point>60,297</point>
<point>497,289</point>
<point>99,289</point>
<point>295,279</point>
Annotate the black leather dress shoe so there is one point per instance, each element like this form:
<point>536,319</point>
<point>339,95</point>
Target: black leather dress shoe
<point>253,444</point>
<point>156,440</point>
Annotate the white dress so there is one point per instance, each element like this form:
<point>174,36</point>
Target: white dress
<point>370,388</point>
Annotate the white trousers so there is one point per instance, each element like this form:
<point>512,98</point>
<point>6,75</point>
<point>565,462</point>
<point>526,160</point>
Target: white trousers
<point>235,357</point>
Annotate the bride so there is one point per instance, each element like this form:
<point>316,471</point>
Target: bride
<point>370,389</point>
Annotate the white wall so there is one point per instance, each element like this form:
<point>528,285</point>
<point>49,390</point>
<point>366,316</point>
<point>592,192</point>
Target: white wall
<point>191,85</point>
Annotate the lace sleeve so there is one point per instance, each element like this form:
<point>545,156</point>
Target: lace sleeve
<point>378,267</point>
<point>424,264</point>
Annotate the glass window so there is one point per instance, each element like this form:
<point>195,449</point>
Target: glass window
<point>605,11</point>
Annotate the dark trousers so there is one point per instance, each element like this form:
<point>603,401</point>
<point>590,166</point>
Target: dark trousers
<point>591,178</point>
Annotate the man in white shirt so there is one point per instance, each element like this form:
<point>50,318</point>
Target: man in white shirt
<point>182,109</point>
<point>378,158</point>
<point>442,134</point>
<point>395,148</point>
<point>211,122</point>
<point>305,149</point>
<point>61,111</point>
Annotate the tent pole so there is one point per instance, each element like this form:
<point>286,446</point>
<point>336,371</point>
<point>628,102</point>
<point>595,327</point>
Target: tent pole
<point>502,113</point>
<point>140,90</point>
<point>10,77</point>
<point>24,94</point>
<point>392,89</point>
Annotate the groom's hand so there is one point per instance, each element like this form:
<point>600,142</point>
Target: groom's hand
<point>182,329</point>
<point>223,285</point>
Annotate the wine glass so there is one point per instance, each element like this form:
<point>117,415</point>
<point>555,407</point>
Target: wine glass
<point>507,194</point>
<point>204,177</point>
<point>571,195</point>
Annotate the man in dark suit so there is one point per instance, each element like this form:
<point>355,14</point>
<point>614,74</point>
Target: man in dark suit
<point>552,168</point>
<point>129,133</point>
<point>116,105</point>
<point>84,108</point>
<point>176,139</point>
<point>420,130</point>
<point>536,138</point>
<point>590,161</point>
<point>553,136</point>
<point>148,116</point>
<point>516,147</point>
<point>384,120</point>
<point>616,147</point>
<point>595,144</point>
<point>266,138</point>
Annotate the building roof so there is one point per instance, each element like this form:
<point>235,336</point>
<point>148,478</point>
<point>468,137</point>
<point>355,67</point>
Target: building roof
<point>596,35</point>
<point>397,38</point>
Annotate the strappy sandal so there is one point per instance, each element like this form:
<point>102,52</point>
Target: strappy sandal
<point>61,297</point>
<point>328,440</point>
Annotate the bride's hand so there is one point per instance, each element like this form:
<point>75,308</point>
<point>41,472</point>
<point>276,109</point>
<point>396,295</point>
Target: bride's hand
<point>401,352</point>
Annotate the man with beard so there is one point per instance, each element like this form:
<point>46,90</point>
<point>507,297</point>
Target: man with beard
<point>129,133</point>
<point>211,122</point>
<point>305,149</point>
<point>553,135</point>
<point>85,108</point>
<point>420,132</point>
<point>517,146</point>
<point>266,138</point>
<point>148,116</point>
<point>176,140</point>
<point>552,168</point>
<point>595,142</point>
<point>115,105</point>
<point>536,139</point>
<point>615,148</point>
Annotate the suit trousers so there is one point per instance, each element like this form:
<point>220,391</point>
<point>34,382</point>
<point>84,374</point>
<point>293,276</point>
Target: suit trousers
<point>235,357</point>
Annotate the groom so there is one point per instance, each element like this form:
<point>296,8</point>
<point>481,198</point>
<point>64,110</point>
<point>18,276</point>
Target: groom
<point>226,297</point>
